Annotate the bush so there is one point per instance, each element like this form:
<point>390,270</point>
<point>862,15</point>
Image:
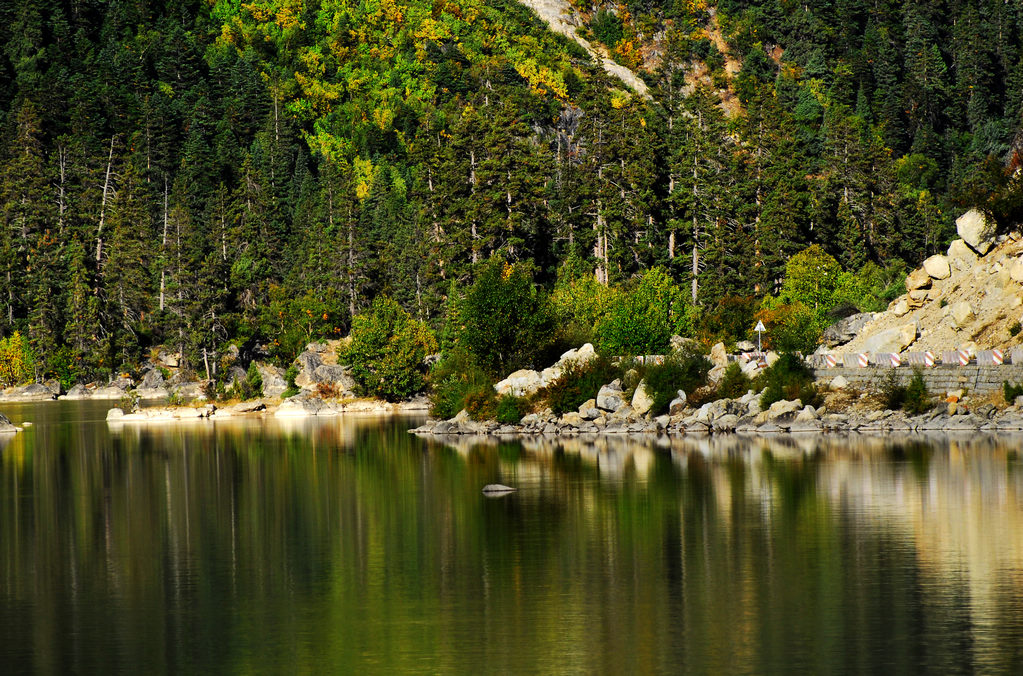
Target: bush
<point>289,376</point>
<point>642,321</point>
<point>893,395</point>
<point>578,383</point>
<point>1010,392</point>
<point>734,383</point>
<point>912,398</point>
<point>388,351</point>
<point>607,27</point>
<point>685,371</point>
<point>789,378</point>
<point>253,385</point>
<point>510,409</point>
<point>17,363</point>
<point>917,398</point>
<point>481,402</point>
<point>504,321</point>
<point>452,380</point>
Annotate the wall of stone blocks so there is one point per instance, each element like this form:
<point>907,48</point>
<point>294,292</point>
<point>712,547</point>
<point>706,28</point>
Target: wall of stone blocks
<point>975,379</point>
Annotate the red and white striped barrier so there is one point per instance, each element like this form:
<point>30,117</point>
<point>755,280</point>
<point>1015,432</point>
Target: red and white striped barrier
<point>997,357</point>
<point>896,359</point>
<point>964,357</point>
<point>831,360</point>
<point>863,359</point>
<point>928,358</point>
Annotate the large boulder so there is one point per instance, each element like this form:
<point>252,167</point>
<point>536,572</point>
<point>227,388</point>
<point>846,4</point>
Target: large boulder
<point>962,313</point>
<point>1016,270</point>
<point>937,267</point>
<point>642,399</point>
<point>719,355</point>
<point>30,392</point>
<point>6,426</point>
<point>78,391</point>
<point>960,255</point>
<point>520,383</point>
<point>678,404</point>
<point>844,330</point>
<point>273,380</point>
<point>308,362</point>
<point>918,279</point>
<point>977,230</point>
<point>610,397</point>
<point>580,355</point>
<point>892,340</point>
<point>335,376</point>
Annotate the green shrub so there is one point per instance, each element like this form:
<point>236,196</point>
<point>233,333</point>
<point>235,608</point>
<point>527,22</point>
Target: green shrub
<point>387,352</point>
<point>253,385</point>
<point>734,383</point>
<point>289,376</point>
<point>642,321</point>
<point>578,383</point>
<point>685,371</point>
<point>452,380</point>
<point>789,378</point>
<point>912,398</point>
<point>504,321</point>
<point>893,394</point>
<point>1011,392</point>
<point>510,409</point>
<point>607,27</point>
<point>917,398</point>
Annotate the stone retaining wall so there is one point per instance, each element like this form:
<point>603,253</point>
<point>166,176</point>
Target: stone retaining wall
<point>976,379</point>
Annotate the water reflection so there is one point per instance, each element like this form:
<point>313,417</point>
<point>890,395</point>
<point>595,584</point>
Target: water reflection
<point>344,544</point>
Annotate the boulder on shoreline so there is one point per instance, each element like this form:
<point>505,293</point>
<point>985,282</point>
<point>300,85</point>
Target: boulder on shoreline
<point>27,393</point>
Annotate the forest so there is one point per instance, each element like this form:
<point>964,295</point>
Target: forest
<point>201,173</point>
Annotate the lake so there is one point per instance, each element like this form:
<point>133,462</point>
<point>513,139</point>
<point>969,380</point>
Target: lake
<point>346,545</point>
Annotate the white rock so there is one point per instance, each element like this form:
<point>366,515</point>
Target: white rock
<point>918,279</point>
<point>839,383</point>
<point>772,357</point>
<point>900,308</point>
<point>961,313</point>
<point>961,256</point>
<point>609,398</point>
<point>719,355</point>
<point>780,408</point>
<point>1016,270</point>
<point>937,267</point>
<point>678,403</point>
<point>520,383</point>
<point>892,340</point>
<point>977,231</point>
<point>642,399</point>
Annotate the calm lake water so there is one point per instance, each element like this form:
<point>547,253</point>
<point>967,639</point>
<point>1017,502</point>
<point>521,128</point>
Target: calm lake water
<point>348,546</point>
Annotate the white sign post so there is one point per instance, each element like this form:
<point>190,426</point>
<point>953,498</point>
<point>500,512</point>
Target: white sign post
<point>760,328</point>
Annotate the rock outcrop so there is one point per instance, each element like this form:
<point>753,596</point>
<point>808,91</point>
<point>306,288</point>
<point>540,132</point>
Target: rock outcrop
<point>977,230</point>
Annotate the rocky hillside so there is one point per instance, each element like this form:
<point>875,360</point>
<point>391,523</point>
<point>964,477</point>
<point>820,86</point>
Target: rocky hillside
<point>970,298</point>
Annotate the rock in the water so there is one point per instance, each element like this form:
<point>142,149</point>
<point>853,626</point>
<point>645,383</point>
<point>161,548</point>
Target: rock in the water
<point>844,330</point>
<point>937,267</point>
<point>6,426</point>
<point>642,400</point>
<point>78,391</point>
<point>30,392</point>
<point>918,279</point>
<point>977,231</point>
<point>961,313</point>
<point>492,489</point>
<point>719,355</point>
<point>609,398</point>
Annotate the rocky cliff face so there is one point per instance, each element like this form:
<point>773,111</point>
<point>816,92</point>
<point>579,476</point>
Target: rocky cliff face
<point>970,298</point>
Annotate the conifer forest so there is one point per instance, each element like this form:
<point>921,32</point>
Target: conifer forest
<point>201,173</point>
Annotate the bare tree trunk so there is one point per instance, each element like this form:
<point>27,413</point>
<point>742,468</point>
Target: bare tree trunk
<point>61,200</point>
<point>103,202</point>
<point>163,247</point>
